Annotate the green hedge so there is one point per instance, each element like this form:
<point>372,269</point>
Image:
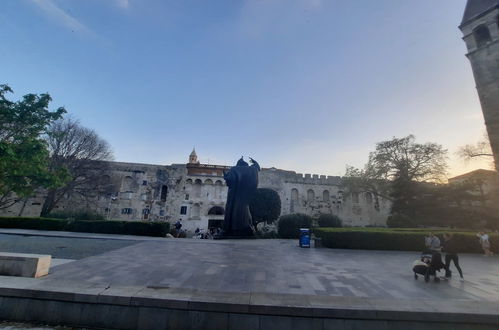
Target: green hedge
<point>158,229</point>
<point>396,239</point>
<point>329,220</point>
<point>289,225</point>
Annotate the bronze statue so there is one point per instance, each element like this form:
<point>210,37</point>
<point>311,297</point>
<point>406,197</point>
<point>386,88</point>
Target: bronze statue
<point>242,181</point>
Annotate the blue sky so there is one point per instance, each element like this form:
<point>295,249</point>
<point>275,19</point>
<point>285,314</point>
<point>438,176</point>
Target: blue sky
<point>305,85</point>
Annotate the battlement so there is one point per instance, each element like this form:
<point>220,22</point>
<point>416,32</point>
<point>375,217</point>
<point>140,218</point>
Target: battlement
<point>314,179</point>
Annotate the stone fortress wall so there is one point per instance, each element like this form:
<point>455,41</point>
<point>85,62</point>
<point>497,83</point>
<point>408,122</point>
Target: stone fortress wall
<point>196,194</point>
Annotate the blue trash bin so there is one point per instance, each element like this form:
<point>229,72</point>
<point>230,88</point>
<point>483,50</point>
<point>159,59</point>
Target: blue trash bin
<point>304,237</point>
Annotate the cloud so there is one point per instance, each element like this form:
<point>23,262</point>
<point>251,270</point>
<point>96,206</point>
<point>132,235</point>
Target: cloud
<point>60,16</point>
<point>125,4</point>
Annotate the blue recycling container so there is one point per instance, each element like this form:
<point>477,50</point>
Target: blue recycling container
<point>304,237</point>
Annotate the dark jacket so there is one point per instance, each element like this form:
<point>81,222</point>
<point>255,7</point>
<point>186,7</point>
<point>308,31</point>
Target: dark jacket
<point>450,246</point>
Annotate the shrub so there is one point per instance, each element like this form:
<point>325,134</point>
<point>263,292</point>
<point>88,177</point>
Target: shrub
<point>77,215</point>
<point>32,223</point>
<point>400,221</point>
<point>158,229</point>
<point>265,205</point>
<point>329,220</point>
<point>101,227</point>
<point>289,225</point>
<point>393,239</point>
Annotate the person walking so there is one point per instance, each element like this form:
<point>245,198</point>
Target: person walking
<point>484,241</point>
<point>450,249</point>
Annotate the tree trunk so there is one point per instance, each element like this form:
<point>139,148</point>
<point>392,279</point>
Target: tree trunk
<point>49,203</point>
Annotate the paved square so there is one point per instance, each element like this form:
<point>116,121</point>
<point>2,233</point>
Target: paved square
<point>277,266</point>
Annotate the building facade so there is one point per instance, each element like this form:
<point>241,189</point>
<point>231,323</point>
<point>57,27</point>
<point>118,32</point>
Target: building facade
<point>480,28</point>
<point>196,194</point>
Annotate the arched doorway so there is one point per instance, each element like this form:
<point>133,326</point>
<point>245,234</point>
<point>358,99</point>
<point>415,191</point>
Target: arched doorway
<point>216,217</point>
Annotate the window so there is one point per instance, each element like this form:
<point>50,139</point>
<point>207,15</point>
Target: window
<point>186,197</point>
<point>369,198</point>
<point>482,35</point>
<point>164,193</point>
<point>294,195</point>
<point>146,211</point>
<point>325,196</point>
<point>310,195</point>
<point>183,210</point>
<point>195,211</point>
<point>127,184</point>
<point>161,213</point>
<point>355,197</point>
<point>126,210</point>
<point>144,182</point>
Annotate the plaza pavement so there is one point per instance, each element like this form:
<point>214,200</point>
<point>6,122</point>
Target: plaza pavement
<point>254,276</point>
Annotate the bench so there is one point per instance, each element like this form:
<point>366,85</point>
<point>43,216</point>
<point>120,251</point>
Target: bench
<point>24,264</point>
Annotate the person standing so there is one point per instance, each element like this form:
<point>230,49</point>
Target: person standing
<point>484,241</point>
<point>432,242</point>
<point>450,249</point>
<point>178,228</point>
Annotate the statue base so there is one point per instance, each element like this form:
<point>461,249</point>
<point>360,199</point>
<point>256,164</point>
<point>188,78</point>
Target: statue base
<point>233,237</point>
<point>237,234</point>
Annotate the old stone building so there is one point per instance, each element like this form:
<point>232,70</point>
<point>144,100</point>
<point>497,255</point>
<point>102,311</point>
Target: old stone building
<point>480,27</point>
<point>196,193</point>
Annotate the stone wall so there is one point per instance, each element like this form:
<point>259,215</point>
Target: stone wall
<point>481,35</point>
<point>196,194</point>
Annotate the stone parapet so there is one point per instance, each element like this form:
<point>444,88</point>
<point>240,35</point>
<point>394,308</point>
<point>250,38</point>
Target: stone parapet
<point>139,307</point>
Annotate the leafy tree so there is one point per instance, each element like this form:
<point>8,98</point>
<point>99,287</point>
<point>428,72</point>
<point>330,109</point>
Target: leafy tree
<point>265,206</point>
<point>23,153</point>
<point>83,154</point>
<point>365,180</point>
<point>394,170</point>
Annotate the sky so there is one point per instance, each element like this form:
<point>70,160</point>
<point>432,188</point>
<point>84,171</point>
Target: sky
<point>303,85</point>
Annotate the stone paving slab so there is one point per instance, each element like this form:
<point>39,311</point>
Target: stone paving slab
<point>278,266</point>
<point>268,283</point>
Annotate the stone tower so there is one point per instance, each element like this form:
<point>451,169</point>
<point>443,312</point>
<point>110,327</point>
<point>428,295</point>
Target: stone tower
<point>193,157</point>
<point>480,28</point>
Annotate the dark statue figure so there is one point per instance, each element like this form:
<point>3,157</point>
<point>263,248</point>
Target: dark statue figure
<point>242,181</point>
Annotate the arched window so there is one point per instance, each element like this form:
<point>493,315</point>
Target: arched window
<point>195,211</point>
<point>482,35</point>
<point>294,195</point>
<point>355,197</point>
<point>325,195</point>
<point>208,181</point>
<point>164,193</point>
<point>310,195</point>
<point>197,188</point>
<point>218,189</point>
<point>127,184</point>
<point>216,210</point>
<point>369,198</point>
<point>188,181</point>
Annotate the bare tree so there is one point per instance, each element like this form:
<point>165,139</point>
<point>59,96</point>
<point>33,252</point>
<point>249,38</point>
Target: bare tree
<point>83,154</point>
<point>479,150</point>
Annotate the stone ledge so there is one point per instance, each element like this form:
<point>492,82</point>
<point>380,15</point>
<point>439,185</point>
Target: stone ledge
<point>23,264</point>
<point>283,305</point>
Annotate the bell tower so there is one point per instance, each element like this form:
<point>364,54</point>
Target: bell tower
<point>480,28</point>
<point>193,157</point>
